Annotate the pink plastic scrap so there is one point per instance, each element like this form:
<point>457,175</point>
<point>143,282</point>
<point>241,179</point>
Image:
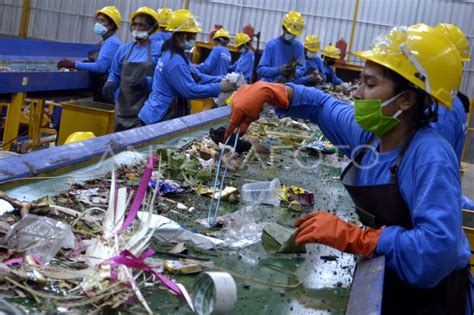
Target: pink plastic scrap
<point>14,261</point>
<point>137,202</point>
<point>128,259</point>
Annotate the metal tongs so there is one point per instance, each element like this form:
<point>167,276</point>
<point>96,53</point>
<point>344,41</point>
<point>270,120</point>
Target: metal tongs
<point>212,214</point>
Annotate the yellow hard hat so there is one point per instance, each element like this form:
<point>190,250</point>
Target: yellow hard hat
<point>241,39</point>
<point>312,43</point>
<point>457,36</point>
<point>146,11</point>
<point>423,56</point>
<point>332,52</point>
<point>183,21</point>
<point>293,22</point>
<point>222,32</point>
<point>163,16</point>
<point>112,12</point>
<point>79,136</point>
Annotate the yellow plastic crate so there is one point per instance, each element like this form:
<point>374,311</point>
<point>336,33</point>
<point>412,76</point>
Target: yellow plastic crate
<point>86,115</point>
<point>200,105</point>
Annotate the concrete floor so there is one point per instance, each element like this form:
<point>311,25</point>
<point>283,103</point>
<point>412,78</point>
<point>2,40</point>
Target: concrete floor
<point>468,181</point>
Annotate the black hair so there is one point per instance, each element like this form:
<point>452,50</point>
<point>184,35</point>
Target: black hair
<point>113,27</point>
<point>222,40</point>
<point>150,21</point>
<point>173,46</point>
<point>425,112</point>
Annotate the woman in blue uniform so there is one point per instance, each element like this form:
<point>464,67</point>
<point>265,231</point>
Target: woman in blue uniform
<point>312,71</point>
<point>282,54</point>
<point>162,34</point>
<point>452,124</point>
<point>404,178</point>
<point>100,60</point>
<point>331,54</point>
<point>175,78</point>
<point>132,70</point>
<point>245,62</point>
<point>218,61</point>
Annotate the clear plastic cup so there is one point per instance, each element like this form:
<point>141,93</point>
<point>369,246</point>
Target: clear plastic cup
<point>262,192</point>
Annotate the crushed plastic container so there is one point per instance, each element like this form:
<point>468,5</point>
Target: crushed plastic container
<point>262,192</point>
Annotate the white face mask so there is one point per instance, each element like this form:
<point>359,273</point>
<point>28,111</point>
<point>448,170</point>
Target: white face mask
<point>140,35</point>
<point>188,44</point>
<point>289,37</point>
<point>311,55</point>
<point>242,50</point>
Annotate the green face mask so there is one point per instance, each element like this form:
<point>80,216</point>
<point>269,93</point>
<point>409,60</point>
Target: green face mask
<point>368,114</point>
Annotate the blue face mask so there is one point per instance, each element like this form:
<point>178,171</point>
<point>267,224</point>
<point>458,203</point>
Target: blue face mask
<point>100,29</point>
<point>289,37</point>
<point>188,44</point>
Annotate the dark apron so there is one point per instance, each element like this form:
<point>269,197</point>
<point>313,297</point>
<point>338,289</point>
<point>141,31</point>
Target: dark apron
<point>98,80</point>
<point>131,99</point>
<point>179,107</point>
<point>379,205</point>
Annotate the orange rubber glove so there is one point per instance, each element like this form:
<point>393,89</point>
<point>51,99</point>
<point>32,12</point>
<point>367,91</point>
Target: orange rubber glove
<point>328,229</point>
<point>248,103</point>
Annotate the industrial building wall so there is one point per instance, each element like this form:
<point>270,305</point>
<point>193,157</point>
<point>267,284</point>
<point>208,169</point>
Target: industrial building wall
<point>72,20</point>
<point>10,15</point>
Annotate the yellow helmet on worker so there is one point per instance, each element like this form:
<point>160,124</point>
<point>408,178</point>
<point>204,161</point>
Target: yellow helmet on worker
<point>332,51</point>
<point>423,56</point>
<point>293,22</point>
<point>183,21</point>
<point>112,12</point>
<point>222,32</point>
<point>312,43</point>
<point>457,36</point>
<point>241,39</point>
<point>146,11</point>
<point>163,16</point>
<point>79,136</point>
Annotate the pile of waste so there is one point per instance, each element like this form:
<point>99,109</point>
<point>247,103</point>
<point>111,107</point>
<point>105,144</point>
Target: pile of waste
<point>93,246</point>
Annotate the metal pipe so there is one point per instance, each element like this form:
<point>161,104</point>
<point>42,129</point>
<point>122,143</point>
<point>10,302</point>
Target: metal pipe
<point>25,18</point>
<point>354,22</point>
<point>186,4</point>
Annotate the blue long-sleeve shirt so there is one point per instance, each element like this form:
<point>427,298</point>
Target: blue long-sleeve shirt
<point>278,52</point>
<point>163,35</point>
<point>329,75</point>
<point>428,180</point>
<point>138,54</point>
<point>108,48</point>
<point>173,77</point>
<point>244,65</point>
<point>311,64</point>
<point>217,63</point>
<point>452,125</point>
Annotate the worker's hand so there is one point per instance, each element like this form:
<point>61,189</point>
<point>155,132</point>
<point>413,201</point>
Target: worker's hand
<point>227,86</point>
<point>345,87</point>
<point>328,229</point>
<point>314,78</point>
<point>66,63</point>
<point>248,102</point>
<point>109,89</point>
<point>286,69</point>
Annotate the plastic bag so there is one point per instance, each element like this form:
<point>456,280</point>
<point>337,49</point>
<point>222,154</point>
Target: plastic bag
<point>242,228</point>
<point>233,77</point>
<point>41,237</point>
